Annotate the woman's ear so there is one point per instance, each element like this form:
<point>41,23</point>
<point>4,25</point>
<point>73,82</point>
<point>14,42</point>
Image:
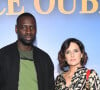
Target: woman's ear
<point>81,55</point>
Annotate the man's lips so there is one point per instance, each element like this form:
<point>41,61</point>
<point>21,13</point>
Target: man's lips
<point>28,37</point>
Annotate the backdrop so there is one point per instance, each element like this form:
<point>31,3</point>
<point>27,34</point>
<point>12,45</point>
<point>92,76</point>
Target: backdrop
<point>54,25</point>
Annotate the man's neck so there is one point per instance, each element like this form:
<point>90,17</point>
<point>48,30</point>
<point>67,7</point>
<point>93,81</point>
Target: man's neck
<point>24,47</point>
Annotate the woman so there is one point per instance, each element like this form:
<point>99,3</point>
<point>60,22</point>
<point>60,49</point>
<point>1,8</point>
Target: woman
<point>72,56</point>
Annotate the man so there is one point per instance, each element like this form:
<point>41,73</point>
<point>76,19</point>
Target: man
<point>22,65</point>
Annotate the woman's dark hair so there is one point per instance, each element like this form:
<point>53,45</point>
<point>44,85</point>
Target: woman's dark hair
<point>65,45</point>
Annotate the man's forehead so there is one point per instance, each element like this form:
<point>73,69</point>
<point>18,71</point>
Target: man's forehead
<point>26,21</point>
<point>28,24</point>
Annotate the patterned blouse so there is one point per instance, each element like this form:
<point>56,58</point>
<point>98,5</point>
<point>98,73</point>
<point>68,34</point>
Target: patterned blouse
<point>78,81</point>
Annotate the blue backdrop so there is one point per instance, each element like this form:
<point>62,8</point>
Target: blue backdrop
<point>55,27</point>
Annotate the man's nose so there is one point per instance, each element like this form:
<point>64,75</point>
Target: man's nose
<point>28,30</point>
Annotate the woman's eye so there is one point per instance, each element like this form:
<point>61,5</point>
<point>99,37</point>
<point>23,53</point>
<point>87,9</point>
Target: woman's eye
<point>75,50</point>
<point>67,52</point>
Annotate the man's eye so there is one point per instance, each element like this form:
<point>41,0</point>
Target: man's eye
<point>32,27</point>
<point>23,27</point>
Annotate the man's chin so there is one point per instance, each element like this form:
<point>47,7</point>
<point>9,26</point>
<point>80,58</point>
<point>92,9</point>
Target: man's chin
<point>28,43</point>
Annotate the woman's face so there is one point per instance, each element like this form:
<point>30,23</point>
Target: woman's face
<point>73,55</point>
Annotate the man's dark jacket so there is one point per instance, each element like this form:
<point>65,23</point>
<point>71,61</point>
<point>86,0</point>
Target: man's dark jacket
<point>9,68</point>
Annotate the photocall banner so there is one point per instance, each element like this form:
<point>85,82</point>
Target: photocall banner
<point>57,20</point>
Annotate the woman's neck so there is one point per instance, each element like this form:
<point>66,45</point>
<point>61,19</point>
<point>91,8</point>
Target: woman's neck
<point>73,69</point>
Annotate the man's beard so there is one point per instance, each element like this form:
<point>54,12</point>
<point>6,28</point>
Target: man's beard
<point>28,42</point>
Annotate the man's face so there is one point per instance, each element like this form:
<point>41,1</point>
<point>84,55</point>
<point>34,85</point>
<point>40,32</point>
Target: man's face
<point>26,30</point>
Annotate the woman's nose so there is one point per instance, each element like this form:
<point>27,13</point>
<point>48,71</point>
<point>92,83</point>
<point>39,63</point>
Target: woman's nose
<point>72,54</point>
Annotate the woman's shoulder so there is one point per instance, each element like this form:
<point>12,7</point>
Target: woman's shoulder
<point>93,73</point>
<point>60,83</point>
<point>93,76</point>
<point>94,80</point>
<point>60,76</point>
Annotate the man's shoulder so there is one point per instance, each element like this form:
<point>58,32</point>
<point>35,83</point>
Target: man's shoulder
<point>42,55</point>
<point>39,51</point>
<point>8,47</point>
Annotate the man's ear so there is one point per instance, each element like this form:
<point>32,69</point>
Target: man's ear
<point>16,29</point>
